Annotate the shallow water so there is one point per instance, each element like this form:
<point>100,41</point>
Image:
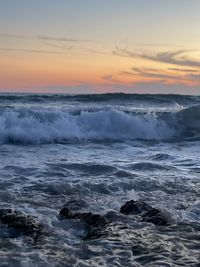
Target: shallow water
<point>101,150</point>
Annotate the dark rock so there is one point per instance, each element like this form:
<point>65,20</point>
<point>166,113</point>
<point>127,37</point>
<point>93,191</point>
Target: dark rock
<point>66,213</point>
<point>94,220</point>
<point>21,223</point>
<point>156,217</point>
<point>77,205</point>
<point>146,212</point>
<point>134,207</point>
<point>95,223</point>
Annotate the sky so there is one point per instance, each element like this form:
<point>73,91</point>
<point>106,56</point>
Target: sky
<point>99,46</point>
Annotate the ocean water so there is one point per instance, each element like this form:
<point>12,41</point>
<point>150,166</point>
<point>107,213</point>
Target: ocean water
<point>101,151</point>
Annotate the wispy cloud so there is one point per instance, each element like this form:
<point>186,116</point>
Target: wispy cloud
<point>94,51</point>
<point>29,51</point>
<point>175,58</point>
<point>61,39</point>
<point>108,78</point>
<point>15,36</point>
<point>194,77</point>
<point>183,70</point>
<point>45,38</point>
<point>122,52</point>
<point>164,76</point>
<point>159,45</point>
<point>178,57</point>
<point>61,43</point>
<point>153,73</point>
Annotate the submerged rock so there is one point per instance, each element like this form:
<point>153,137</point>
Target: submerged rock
<point>146,212</point>
<point>95,223</point>
<point>21,223</point>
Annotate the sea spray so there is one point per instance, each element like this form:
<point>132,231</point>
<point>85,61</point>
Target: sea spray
<point>30,125</point>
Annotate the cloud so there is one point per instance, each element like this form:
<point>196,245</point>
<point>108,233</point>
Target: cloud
<point>183,70</point>
<point>60,39</point>
<point>194,77</point>
<point>108,78</point>
<point>159,45</point>
<point>154,73</point>
<point>174,58</point>
<point>162,75</point>
<point>171,58</point>
<point>94,51</point>
<point>4,35</point>
<point>125,53</point>
<point>60,46</point>
<point>61,42</point>
<point>29,51</point>
<point>44,38</point>
<point>57,42</point>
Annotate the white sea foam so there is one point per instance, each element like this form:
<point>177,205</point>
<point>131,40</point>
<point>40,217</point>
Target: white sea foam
<point>55,126</point>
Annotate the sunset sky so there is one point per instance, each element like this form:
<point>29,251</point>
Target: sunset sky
<point>84,46</point>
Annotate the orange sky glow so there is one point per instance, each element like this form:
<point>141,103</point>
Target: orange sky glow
<point>35,55</point>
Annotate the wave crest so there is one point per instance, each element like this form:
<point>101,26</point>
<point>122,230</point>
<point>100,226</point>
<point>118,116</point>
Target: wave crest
<point>48,126</point>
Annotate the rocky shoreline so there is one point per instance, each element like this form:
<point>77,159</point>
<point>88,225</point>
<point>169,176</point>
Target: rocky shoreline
<point>96,224</point>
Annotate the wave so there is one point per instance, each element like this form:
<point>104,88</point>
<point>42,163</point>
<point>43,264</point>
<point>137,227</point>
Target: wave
<point>149,166</point>
<point>88,168</point>
<point>107,97</point>
<point>49,125</point>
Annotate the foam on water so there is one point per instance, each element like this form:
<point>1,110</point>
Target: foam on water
<point>50,125</point>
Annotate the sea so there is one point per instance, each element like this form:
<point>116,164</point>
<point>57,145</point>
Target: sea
<point>101,150</point>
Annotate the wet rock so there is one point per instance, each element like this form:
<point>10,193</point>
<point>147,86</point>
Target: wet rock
<point>135,207</point>
<point>156,217</point>
<point>77,205</point>
<point>22,223</point>
<point>95,223</point>
<point>146,212</point>
<point>66,213</point>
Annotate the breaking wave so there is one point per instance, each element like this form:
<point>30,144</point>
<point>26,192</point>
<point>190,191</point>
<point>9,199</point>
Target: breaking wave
<point>107,97</point>
<point>30,126</point>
